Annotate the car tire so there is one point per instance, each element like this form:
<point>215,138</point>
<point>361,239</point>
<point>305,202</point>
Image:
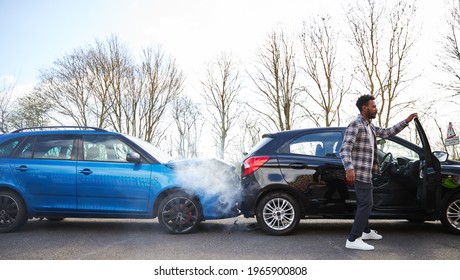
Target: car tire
<point>278,213</point>
<point>179,213</point>
<point>450,215</point>
<point>13,214</point>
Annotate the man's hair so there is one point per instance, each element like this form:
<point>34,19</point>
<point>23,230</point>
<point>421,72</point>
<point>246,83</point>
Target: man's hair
<point>363,100</point>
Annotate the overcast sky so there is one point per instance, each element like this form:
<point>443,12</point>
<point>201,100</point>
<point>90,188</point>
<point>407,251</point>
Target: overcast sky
<point>35,33</point>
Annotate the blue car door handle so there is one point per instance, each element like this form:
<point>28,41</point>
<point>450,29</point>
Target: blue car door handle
<point>85,171</point>
<point>21,168</point>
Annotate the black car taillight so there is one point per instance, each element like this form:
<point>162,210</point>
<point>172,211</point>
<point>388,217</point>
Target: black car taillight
<point>253,163</point>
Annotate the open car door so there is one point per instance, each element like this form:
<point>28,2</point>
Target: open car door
<point>428,192</point>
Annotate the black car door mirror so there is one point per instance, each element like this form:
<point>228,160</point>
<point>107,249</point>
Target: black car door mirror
<point>441,156</point>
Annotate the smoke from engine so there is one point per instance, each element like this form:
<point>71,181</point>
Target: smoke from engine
<point>212,178</point>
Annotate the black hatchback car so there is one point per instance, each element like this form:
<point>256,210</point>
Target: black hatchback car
<point>298,174</point>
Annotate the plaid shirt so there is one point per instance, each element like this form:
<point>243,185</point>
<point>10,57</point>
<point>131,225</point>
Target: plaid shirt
<point>356,152</point>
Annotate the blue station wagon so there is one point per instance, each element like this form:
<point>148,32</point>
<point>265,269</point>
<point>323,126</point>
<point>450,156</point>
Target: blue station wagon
<point>62,172</point>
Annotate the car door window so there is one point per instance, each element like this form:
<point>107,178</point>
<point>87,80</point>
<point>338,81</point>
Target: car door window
<point>397,150</point>
<point>7,148</point>
<point>104,148</point>
<point>57,147</point>
<point>321,144</point>
<point>26,150</point>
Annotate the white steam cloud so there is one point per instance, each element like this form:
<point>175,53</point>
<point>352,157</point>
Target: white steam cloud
<point>213,179</point>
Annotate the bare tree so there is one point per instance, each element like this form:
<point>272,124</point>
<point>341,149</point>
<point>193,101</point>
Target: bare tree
<point>248,136</point>
<point>450,56</point>
<point>275,82</point>
<point>134,98</point>
<point>319,42</point>
<point>6,91</point>
<point>66,85</point>
<point>102,86</point>
<point>110,67</point>
<point>441,143</point>
<point>31,111</point>
<point>441,134</point>
<point>383,39</point>
<point>189,123</point>
<point>220,91</point>
<point>160,83</point>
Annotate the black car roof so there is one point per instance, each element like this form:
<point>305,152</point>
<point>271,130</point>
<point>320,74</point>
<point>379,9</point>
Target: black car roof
<point>291,133</point>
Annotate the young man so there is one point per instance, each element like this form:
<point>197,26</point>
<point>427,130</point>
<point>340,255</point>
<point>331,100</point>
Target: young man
<point>359,157</point>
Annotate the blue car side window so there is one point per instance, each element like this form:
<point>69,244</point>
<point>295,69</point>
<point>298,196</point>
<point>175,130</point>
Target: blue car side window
<point>104,148</point>
<point>7,148</point>
<point>50,147</point>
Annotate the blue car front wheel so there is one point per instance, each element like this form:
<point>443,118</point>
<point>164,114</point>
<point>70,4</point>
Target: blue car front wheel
<point>179,213</point>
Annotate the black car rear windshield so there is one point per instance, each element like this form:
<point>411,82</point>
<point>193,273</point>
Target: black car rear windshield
<point>259,145</point>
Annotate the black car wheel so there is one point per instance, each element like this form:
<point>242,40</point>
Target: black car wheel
<point>278,213</point>
<point>450,216</point>
<point>179,213</point>
<point>12,211</point>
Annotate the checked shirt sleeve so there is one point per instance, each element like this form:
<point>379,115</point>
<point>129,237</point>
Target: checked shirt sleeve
<point>388,132</point>
<point>349,140</point>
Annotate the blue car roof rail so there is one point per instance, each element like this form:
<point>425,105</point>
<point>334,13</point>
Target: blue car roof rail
<point>63,127</point>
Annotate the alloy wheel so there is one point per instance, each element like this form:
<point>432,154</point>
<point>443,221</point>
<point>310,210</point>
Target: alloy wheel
<point>9,211</point>
<point>278,214</point>
<point>180,215</point>
<point>453,214</point>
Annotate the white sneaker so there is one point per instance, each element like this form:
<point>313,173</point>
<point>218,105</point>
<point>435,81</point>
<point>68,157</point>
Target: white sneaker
<point>373,235</point>
<point>358,244</point>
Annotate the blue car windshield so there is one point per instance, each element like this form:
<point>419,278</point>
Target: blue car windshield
<point>158,154</point>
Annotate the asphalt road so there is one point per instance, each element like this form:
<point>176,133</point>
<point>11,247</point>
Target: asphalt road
<point>232,239</point>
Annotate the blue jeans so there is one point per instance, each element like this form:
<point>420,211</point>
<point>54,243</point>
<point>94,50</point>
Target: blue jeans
<point>364,204</point>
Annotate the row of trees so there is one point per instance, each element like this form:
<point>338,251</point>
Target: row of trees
<point>449,62</point>
<point>102,86</point>
<point>295,80</point>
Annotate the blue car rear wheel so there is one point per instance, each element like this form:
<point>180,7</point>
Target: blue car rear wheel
<point>12,211</point>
